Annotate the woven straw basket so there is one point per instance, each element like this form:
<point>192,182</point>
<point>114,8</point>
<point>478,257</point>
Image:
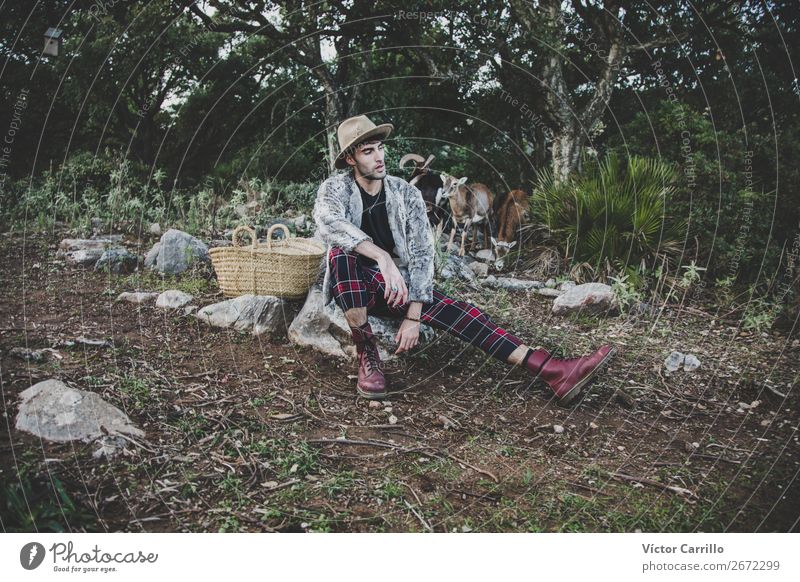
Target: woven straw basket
<point>285,268</point>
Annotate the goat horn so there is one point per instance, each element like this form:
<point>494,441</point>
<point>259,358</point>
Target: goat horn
<point>427,162</point>
<point>415,157</point>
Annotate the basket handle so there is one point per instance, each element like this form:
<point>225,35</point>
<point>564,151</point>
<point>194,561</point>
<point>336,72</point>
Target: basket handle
<point>272,228</point>
<point>240,229</point>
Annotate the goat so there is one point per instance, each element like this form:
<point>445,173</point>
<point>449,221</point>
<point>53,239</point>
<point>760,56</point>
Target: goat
<point>429,184</point>
<point>470,205</point>
<point>510,217</point>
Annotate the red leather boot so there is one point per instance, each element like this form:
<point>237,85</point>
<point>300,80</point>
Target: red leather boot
<point>371,381</point>
<point>566,377</point>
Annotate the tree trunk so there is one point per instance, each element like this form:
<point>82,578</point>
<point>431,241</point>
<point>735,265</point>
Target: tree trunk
<point>567,149</point>
<point>334,115</point>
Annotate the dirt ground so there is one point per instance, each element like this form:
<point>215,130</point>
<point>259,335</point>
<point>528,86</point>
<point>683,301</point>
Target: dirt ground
<point>251,433</point>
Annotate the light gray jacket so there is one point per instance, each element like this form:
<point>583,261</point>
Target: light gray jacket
<point>337,214</point>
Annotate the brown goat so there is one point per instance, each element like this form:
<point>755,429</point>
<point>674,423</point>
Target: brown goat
<point>471,206</point>
<point>511,216</point>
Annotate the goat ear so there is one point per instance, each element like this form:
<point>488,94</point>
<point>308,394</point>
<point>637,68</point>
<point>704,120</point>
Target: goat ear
<point>511,246</point>
<point>494,240</point>
<point>462,181</point>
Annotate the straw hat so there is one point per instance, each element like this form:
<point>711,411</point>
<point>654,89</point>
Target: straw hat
<point>355,130</point>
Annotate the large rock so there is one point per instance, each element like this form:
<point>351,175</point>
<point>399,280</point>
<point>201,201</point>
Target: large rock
<point>457,267</point>
<point>512,284</point>
<point>591,297</point>
<point>117,261</point>
<point>151,257</point>
<point>173,299</point>
<point>256,313</point>
<point>324,328</point>
<point>55,412</point>
<point>176,252</point>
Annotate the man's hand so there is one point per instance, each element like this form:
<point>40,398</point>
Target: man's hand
<point>408,336</point>
<point>393,278</point>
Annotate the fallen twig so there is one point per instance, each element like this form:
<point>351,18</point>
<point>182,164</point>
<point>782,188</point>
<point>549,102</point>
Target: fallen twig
<point>646,481</point>
<point>284,485</point>
<point>588,488</point>
<point>421,519</point>
<point>471,466</point>
<point>359,442</point>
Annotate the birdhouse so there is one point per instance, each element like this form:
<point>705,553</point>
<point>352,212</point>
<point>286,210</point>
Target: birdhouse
<point>53,40</point>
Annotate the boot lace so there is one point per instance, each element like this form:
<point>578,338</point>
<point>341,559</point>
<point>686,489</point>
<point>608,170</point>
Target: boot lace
<point>372,356</point>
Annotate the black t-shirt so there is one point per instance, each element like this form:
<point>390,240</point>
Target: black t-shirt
<point>375,222</point>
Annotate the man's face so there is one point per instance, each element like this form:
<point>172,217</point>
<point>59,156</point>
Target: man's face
<point>368,161</point>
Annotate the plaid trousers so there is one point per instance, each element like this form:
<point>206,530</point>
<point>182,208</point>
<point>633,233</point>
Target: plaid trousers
<point>355,284</point>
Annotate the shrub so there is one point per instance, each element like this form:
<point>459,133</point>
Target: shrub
<point>611,216</point>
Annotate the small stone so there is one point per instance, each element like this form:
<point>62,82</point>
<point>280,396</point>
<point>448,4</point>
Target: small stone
<point>480,269</point>
<point>110,447</point>
<point>387,409</point>
<point>173,299</point>
<point>485,255</point>
<point>31,355</point>
<point>766,422</point>
<point>83,257</point>
<point>593,426</point>
<point>375,404</point>
<point>558,429</point>
<point>392,419</point>
<point>755,403</point>
<point>155,229</point>
<point>691,363</point>
<point>620,448</point>
<point>95,343</point>
<point>550,284</point>
<point>674,361</point>
<point>137,297</point>
<point>117,261</point>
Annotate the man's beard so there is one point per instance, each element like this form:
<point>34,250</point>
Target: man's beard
<point>373,176</point>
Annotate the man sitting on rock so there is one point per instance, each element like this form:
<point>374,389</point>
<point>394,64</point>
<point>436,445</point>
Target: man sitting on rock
<point>380,260</point>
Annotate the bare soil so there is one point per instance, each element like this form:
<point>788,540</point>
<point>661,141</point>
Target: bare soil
<point>254,434</point>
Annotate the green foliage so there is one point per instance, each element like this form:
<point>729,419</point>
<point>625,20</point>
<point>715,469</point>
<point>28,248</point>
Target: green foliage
<point>136,391</point>
<point>760,314</point>
<point>726,182</point>
<point>625,292</point>
<point>43,506</point>
<point>613,215</point>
